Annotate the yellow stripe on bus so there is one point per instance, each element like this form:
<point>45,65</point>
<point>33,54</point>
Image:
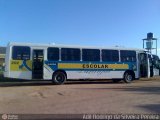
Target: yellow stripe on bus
<point>70,65</point>
<point>91,66</point>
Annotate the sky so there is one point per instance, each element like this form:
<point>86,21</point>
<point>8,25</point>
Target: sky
<point>79,22</point>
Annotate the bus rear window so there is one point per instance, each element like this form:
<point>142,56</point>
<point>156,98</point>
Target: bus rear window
<point>20,53</point>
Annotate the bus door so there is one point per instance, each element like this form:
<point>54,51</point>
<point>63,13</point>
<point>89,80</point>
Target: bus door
<point>144,68</point>
<point>37,66</point>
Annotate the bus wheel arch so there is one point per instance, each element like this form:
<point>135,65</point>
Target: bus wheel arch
<point>128,76</point>
<point>59,77</point>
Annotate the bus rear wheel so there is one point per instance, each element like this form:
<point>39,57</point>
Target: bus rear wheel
<point>59,78</point>
<point>128,77</point>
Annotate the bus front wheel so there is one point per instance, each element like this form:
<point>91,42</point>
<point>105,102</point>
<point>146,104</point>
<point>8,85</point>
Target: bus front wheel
<point>128,77</point>
<point>59,78</point>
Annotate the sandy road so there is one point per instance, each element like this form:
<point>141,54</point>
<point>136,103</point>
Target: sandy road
<point>103,97</point>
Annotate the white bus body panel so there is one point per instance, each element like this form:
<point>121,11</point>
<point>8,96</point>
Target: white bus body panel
<point>89,74</point>
<point>94,74</point>
<point>26,75</point>
<point>155,72</point>
<point>48,72</point>
<point>7,62</point>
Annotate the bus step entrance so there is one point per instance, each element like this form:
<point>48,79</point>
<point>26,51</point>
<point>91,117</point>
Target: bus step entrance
<point>37,67</point>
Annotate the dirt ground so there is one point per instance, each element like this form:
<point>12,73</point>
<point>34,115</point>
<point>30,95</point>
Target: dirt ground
<point>81,97</point>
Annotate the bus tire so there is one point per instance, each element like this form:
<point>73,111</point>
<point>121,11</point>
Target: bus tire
<point>128,77</point>
<point>59,78</point>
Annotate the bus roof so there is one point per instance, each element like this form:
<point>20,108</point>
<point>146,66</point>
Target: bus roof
<point>71,46</point>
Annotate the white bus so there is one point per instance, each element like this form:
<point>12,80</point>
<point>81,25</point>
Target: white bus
<point>61,62</point>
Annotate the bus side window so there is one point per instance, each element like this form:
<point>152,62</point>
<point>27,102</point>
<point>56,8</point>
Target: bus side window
<point>91,55</point>
<point>20,53</point>
<point>70,54</point>
<point>128,56</point>
<point>53,53</point>
<point>110,55</point>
